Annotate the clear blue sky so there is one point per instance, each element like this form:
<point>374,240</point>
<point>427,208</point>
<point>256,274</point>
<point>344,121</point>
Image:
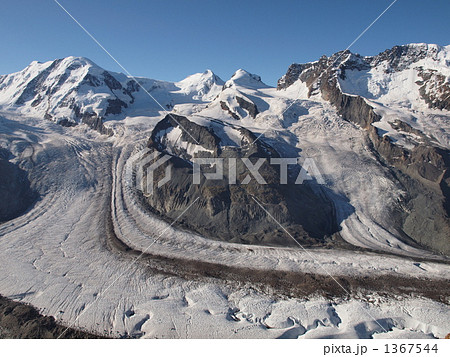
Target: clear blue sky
<point>172,39</point>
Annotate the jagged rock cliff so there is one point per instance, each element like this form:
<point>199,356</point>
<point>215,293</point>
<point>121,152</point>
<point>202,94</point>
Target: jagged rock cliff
<point>423,169</point>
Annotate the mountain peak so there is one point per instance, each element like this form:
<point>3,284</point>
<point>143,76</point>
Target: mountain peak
<point>242,73</point>
<point>64,62</point>
<point>201,86</point>
<point>83,61</point>
<point>202,77</point>
<point>244,78</point>
<point>396,59</point>
<point>208,73</point>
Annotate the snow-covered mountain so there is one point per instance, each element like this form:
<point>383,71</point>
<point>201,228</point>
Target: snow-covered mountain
<point>400,97</point>
<point>379,77</point>
<point>377,128</point>
<point>236,98</point>
<point>201,86</point>
<point>408,83</point>
<point>412,78</point>
<point>74,89</point>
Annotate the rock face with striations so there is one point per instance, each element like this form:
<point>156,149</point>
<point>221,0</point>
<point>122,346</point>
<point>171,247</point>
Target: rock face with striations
<point>227,211</point>
<point>423,170</point>
<point>15,191</point>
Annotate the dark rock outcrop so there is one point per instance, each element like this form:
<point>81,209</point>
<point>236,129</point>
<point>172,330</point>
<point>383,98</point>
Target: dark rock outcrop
<point>227,211</point>
<point>65,122</point>
<point>434,89</point>
<point>225,107</point>
<point>18,320</point>
<point>191,133</point>
<point>115,106</point>
<point>250,107</point>
<point>16,194</point>
<point>95,122</point>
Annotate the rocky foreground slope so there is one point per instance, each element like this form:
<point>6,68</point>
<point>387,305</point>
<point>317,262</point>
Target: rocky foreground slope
<point>24,321</point>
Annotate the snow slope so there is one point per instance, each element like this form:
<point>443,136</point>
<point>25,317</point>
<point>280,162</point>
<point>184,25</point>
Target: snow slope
<point>395,94</point>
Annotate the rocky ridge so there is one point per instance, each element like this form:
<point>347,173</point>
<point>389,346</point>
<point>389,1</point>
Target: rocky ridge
<point>424,170</point>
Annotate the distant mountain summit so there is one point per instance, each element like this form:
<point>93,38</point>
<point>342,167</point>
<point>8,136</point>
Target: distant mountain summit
<point>201,86</point>
<point>246,79</point>
<point>415,73</point>
<point>66,90</point>
<point>236,99</point>
<point>75,90</point>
